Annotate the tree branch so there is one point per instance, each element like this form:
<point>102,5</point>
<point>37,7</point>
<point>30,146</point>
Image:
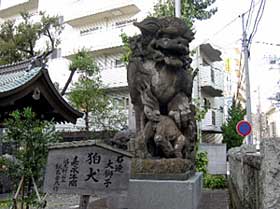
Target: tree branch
<point>47,53</point>
<point>68,82</point>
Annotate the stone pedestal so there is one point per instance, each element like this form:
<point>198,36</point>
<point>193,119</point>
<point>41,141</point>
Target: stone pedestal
<point>162,169</point>
<point>165,194</point>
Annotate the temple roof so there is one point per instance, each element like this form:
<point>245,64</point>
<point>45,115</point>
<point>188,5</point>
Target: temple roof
<point>27,84</point>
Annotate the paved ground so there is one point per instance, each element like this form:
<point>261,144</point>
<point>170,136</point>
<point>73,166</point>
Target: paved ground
<point>211,199</point>
<point>214,199</point>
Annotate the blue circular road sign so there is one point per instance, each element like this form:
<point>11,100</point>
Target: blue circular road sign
<point>244,128</point>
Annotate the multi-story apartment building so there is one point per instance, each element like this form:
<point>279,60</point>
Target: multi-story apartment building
<point>97,26</point>
<point>209,87</point>
<point>273,122</point>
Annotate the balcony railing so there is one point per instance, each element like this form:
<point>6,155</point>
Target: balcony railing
<point>84,15</point>
<point>106,40</point>
<point>25,5</point>
<point>211,80</point>
<point>114,77</point>
<point>212,121</point>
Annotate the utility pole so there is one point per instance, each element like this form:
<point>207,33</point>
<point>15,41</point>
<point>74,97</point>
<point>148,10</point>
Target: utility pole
<point>178,8</point>
<point>260,115</point>
<point>247,78</point>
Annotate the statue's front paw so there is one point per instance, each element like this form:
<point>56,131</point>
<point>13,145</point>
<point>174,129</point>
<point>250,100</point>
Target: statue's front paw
<point>176,117</point>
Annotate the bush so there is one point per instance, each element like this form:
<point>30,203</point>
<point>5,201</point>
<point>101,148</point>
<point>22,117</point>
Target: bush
<point>201,162</point>
<point>30,137</point>
<point>214,181</point>
<point>209,181</point>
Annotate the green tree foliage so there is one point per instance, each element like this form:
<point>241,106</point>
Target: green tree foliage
<point>126,48</point>
<point>82,63</point>
<point>201,162</point>
<point>89,95</point>
<point>200,111</point>
<point>214,181</point>
<point>19,41</point>
<point>29,137</point>
<point>235,114</point>
<point>209,181</point>
<point>191,10</point>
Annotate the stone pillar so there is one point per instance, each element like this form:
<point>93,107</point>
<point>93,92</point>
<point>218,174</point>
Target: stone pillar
<point>270,173</point>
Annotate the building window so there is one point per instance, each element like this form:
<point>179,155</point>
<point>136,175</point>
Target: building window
<point>212,75</point>
<point>90,30</point>
<point>123,23</point>
<point>207,103</point>
<point>119,63</point>
<point>60,19</point>
<point>213,118</point>
<point>105,61</point>
<point>273,129</point>
<point>56,53</point>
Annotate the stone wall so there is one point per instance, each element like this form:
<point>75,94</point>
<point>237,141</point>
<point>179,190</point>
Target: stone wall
<point>245,179</point>
<point>270,173</point>
<point>217,158</point>
<point>254,180</point>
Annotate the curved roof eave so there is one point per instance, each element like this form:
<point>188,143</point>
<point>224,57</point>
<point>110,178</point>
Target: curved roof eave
<point>56,101</point>
<point>73,111</point>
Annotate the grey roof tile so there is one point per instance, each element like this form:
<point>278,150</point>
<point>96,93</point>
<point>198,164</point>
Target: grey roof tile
<point>15,75</point>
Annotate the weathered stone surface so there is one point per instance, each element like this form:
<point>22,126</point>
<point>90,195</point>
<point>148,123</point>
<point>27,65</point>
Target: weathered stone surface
<point>86,168</point>
<point>161,169</point>
<point>248,148</point>
<point>165,194</point>
<point>121,139</point>
<point>270,173</point>
<point>160,82</point>
<point>98,204</point>
<point>245,180</point>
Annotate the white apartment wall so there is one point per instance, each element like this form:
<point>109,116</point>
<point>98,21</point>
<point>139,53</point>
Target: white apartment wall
<point>9,3</point>
<point>102,35</point>
<point>214,117</point>
<point>273,121</point>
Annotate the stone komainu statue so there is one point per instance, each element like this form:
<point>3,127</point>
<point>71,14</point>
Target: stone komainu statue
<point>160,82</point>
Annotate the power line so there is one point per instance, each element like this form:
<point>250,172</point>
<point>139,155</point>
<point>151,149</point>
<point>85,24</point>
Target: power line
<point>267,43</point>
<point>257,22</point>
<point>230,22</point>
<point>251,10</point>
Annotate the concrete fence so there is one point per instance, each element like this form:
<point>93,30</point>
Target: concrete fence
<point>254,181</point>
<point>217,158</point>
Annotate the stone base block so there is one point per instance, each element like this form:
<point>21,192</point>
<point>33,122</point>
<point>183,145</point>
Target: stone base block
<point>165,194</point>
<point>161,169</point>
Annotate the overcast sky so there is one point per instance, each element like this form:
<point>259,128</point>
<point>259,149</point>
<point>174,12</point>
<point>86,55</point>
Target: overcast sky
<point>224,30</point>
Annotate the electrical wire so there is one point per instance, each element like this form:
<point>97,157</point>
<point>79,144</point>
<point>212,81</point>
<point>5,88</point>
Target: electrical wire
<point>257,22</point>
<point>230,22</point>
<point>267,43</point>
<point>254,30</point>
<point>250,14</point>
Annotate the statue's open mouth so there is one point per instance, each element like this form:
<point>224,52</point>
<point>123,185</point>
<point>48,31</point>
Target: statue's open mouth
<point>171,48</point>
